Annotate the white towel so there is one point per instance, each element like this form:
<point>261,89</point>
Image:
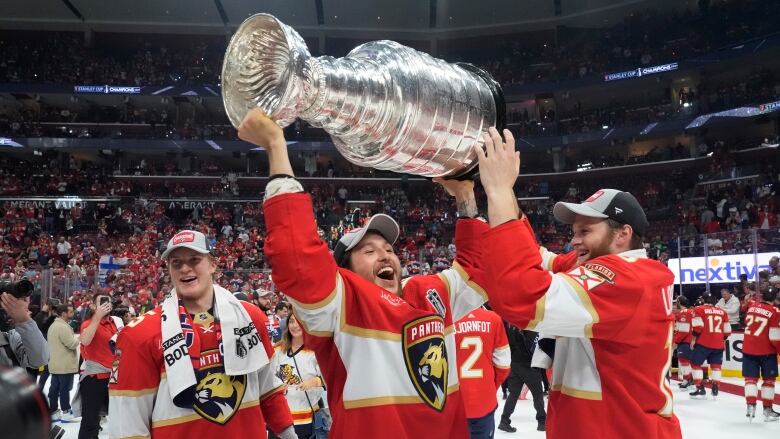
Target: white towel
<point>242,346</point>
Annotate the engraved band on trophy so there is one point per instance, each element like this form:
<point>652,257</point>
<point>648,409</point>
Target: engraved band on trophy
<point>385,105</point>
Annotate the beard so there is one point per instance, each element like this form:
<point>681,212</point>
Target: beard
<point>602,248</point>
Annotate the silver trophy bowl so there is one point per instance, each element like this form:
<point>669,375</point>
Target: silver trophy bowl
<point>385,105</point>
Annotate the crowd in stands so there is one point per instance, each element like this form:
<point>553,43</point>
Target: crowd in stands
<point>126,120</point>
<point>642,39</point>
<point>62,58</point>
<point>760,86</point>
<point>65,243</point>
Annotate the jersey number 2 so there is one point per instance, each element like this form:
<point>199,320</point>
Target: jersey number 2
<point>467,369</point>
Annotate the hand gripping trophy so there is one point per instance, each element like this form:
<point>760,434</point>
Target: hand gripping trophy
<point>385,105</point>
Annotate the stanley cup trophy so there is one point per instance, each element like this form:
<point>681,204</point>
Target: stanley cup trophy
<point>386,106</point>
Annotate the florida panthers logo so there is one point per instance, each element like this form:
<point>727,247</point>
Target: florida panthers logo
<point>287,374</point>
<point>218,396</point>
<point>425,354</point>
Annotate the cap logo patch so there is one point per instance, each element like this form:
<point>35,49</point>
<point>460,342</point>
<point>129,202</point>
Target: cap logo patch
<point>618,210</point>
<point>595,196</point>
<point>183,237</point>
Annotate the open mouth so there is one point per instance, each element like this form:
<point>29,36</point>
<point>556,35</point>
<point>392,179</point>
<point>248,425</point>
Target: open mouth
<point>188,280</point>
<point>386,273</point>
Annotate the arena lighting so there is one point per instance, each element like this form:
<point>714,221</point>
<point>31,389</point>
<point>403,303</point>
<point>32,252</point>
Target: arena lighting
<point>4,141</point>
<point>587,166</point>
<point>605,127</point>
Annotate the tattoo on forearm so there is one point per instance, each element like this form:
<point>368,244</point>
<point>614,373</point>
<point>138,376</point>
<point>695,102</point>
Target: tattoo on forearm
<point>467,208</point>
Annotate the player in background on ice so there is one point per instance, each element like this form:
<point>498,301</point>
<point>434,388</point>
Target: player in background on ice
<point>710,329</point>
<point>483,364</point>
<point>759,348</point>
<point>682,340</point>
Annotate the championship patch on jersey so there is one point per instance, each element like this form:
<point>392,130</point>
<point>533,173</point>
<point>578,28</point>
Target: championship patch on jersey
<point>425,355</point>
<point>601,270</point>
<point>218,396</point>
<point>586,278</point>
<point>435,300</point>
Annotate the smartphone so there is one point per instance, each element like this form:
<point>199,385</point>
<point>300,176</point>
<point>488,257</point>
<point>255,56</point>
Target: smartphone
<point>104,299</point>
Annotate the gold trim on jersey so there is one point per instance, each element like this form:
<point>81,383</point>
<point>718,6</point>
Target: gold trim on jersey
<point>378,334</point>
<point>265,395</point>
<point>363,332</point>
<point>133,393</point>
<point>388,400</point>
<point>458,269</point>
<point>585,299</point>
<point>539,315</point>
<point>547,263</point>
<point>667,411</point>
<point>577,393</point>
<point>195,416</point>
<point>306,327</point>
<point>324,302</point>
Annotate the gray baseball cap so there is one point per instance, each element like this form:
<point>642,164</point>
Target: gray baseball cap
<point>379,223</point>
<point>606,203</point>
<point>190,239</point>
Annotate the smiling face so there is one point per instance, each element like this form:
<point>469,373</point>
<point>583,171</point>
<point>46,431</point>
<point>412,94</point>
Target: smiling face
<point>592,238</point>
<point>191,273</point>
<point>295,327</point>
<point>375,260</point>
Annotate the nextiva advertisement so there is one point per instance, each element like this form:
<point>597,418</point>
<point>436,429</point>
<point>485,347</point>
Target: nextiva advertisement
<point>718,269</point>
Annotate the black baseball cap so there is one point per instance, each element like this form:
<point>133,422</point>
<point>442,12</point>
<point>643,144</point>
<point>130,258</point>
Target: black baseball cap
<point>606,203</point>
<point>379,223</point>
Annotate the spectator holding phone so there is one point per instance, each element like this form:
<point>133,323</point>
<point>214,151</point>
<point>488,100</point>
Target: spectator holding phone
<point>97,332</point>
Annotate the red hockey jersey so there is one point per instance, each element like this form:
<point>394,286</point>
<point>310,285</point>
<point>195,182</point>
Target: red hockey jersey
<point>711,326</point>
<point>388,360</point>
<point>483,360</point>
<point>682,326</point>
<point>612,317</point>
<point>140,397</point>
<point>762,330</point>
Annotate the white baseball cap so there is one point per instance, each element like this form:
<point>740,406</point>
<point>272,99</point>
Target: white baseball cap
<point>379,223</point>
<point>190,239</point>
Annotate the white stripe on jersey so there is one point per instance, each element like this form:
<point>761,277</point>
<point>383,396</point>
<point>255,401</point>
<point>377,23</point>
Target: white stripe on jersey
<point>574,369</point>
<point>502,357</point>
<point>774,334</point>
<point>682,327</point>
<point>568,311</point>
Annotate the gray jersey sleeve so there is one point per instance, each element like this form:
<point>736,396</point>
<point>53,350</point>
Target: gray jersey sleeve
<point>28,345</point>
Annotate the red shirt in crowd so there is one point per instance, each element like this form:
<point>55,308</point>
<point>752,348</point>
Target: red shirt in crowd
<point>99,350</point>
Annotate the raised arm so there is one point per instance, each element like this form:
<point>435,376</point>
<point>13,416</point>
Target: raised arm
<point>302,266</point>
<point>466,279</point>
<point>578,303</point>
